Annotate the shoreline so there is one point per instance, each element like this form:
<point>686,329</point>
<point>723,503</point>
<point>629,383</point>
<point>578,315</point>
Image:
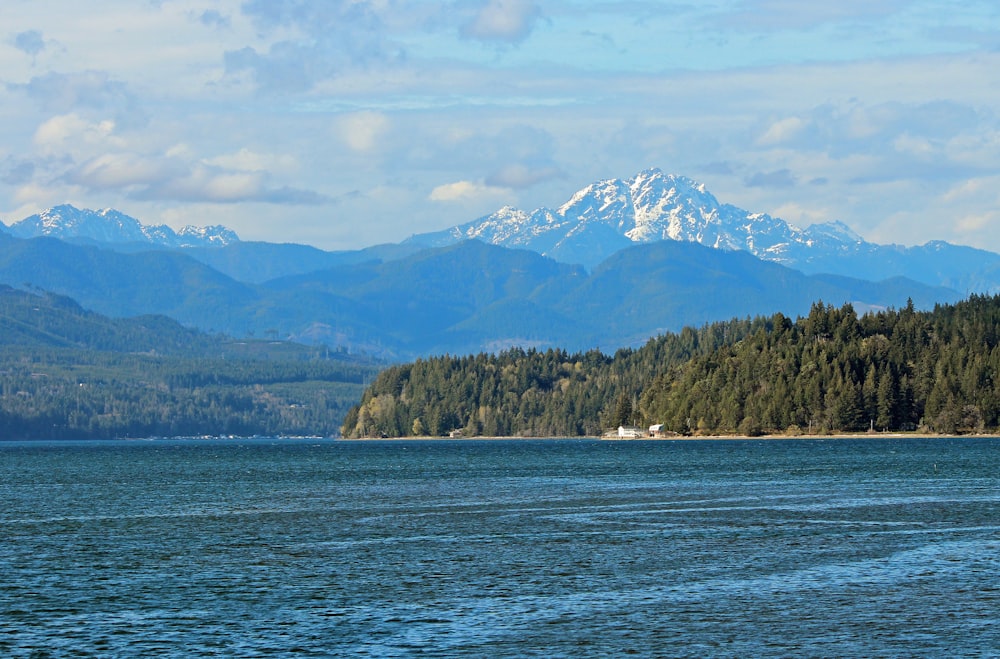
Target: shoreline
<point>682,438</point>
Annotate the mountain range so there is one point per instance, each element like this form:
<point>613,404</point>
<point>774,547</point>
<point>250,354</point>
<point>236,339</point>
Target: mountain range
<point>67,222</point>
<point>619,262</point>
<point>463,298</point>
<point>609,215</point>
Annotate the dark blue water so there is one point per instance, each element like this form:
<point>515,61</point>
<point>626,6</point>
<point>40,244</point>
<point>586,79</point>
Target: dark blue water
<point>555,548</point>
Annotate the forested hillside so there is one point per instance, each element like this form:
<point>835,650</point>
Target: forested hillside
<point>69,373</point>
<point>831,371</point>
<point>529,393</point>
<point>42,319</point>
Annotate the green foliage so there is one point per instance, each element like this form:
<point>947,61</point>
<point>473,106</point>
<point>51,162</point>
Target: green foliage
<point>71,393</point>
<point>831,371</point>
<point>69,373</point>
<point>526,392</point>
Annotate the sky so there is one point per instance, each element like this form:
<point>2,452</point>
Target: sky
<point>348,123</point>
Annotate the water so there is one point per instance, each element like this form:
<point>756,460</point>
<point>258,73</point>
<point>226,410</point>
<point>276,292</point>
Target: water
<point>553,548</point>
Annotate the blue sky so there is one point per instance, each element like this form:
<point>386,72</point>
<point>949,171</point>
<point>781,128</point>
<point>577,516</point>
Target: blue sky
<point>345,123</point>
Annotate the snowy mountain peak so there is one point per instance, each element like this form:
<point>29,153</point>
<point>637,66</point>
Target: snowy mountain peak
<point>216,235</point>
<point>608,215</point>
<point>112,226</point>
<point>836,231</point>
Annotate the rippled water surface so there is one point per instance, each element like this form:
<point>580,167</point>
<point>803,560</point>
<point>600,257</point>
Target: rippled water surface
<point>550,548</point>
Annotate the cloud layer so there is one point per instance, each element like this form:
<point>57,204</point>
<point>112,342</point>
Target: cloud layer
<point>343,123</point>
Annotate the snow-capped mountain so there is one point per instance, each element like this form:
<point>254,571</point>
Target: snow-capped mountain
<point>111,226</point>
<point>214,235</point>
<point>609,215</point>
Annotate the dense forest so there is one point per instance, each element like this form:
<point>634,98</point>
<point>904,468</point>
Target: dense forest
<point>68,373</point>
<point>831,371</point>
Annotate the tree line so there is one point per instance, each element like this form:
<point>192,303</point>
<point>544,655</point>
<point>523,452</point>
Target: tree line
<point>831,371</point>
<point>68,393</point>
<point>66,372</point>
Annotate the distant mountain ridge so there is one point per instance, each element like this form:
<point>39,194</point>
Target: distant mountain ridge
<point>67,222</point>
<point>615,213</point>
<point>595,223</point>
<point>464,298</point>
<point>652,206</point>
<point>626,260</point>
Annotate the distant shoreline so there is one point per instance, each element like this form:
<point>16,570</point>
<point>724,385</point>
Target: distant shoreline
<point>683,438</point>
<point>410,438</point>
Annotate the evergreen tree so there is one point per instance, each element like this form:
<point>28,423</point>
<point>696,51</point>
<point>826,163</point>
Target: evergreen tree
<point>829,371</point>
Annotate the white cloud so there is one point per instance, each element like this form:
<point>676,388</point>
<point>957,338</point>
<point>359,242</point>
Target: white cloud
<point>202,183</point>
<point>465,191</point>
<point>122,170</point>
<point>911,145</point>
<point>522,176</point>
<point>781,131</point>
<point>30,198</point>
<point>175,177</point>
<point>986,188</point>
<point>362,131</point>
<point>980,148</point>
<point>183,151</point>
<point>508,21</point>
<point>247,160</point>
<point>976,222</point>
<point>70,131</point>
<point>802,216</point>
<point>207,184</point>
